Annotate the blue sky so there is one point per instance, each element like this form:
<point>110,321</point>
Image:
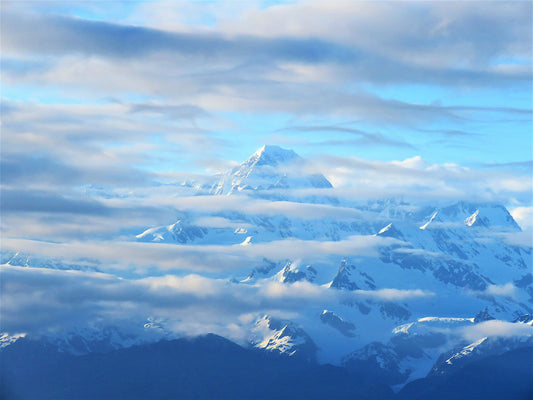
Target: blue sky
<point>117,94</point>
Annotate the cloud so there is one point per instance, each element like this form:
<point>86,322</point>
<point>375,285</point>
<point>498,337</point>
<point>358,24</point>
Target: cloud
<point>302,70</point>
<point>91,139</point>
<point>393,294</point>
<point>451,133</point>
<point>432,29</point>
<point>65,299</point>
<point>298,291</point>
<point>365,138</point>
<point>182,111</point>
<point>527,165</point>
<point>118,255</point>
<point>75,35</point>
<point>523,216</point>
<point>418,180</point>
<point>496,328</point>
<point>524,238</point>
<point>446,34</point>
<point>507,290</point>
<point>31,201</point>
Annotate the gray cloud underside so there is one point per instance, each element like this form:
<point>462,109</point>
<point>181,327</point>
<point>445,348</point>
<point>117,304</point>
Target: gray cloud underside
<point>15,201</point>
<point>62,35</point>
<point>97,296</point>
<point>220,70</point>
<point>57,35</point>
<point>23,170</point>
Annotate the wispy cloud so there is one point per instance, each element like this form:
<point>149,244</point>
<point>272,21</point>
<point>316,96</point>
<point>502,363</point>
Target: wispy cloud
<point>393,294</point>
<point>365,138</point>
<point>122,256</point>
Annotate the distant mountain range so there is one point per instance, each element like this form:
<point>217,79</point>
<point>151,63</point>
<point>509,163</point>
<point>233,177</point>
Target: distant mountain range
<point>473,289</point>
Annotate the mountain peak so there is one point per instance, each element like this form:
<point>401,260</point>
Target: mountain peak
<point>271,155</point>
<point>271,168</point>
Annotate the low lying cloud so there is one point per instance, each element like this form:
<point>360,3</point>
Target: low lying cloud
<point>64,299</point>
<point>415,179</point>
<point>507,290</point>
<point>524,238</point>
<point>302,290</point>
<point>496,328</point>
<point>210,258</point>
<point>393,294</point>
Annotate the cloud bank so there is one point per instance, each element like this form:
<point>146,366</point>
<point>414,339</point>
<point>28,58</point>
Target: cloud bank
<point>66,299</point>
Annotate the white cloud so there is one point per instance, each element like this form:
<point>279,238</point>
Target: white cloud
<point>523,216</point>
<point>302,290</point>
<point>146,256</point>
<point>507,290</point>
<point>185,303</point>
<point>394,294</point>
<point>415,179</point>
<point>190,284</point>
<point>496,328</point>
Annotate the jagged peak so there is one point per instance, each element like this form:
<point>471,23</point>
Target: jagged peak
<point>473,215</point>
<point>271,155</point>
<point>272,168</point>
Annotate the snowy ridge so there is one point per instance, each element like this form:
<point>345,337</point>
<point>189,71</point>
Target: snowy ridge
<point>276,335</point>
<point>7,339</point>
<point>465,351</point>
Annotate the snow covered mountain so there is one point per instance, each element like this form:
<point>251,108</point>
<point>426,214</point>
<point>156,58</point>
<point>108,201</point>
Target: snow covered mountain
<point>452,253</point>
<point>269,168</point>
<point>395,291</point>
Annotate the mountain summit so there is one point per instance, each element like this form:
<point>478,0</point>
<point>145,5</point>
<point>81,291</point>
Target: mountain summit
<point>270,155</point>
<point>270,167</point>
